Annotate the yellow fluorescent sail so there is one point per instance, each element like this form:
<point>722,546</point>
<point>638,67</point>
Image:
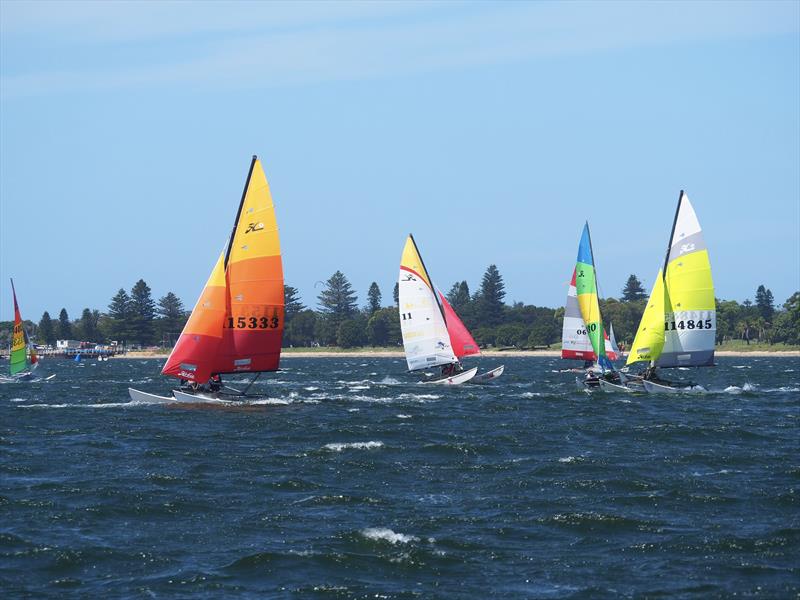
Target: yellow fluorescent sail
<point>649,340</point>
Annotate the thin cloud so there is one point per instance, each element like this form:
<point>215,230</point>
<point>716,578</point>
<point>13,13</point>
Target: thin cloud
<point>358,43</point>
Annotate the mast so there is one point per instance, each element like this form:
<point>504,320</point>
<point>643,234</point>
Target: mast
<point>428,273</point>
<point>671,235</point>
<point>239,212</point>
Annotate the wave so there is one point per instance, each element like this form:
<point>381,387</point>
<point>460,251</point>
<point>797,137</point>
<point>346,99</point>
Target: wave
<point>401,416</point>
<point>338,447</point>
<point>387,535</point>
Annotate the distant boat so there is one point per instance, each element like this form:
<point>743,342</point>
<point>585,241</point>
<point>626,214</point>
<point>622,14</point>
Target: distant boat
<point>463,343</point>
<point>426,339</point>
<point>583,335</point>
<point>678,327</point>
<point>23,359</point>
<point>236,327</point>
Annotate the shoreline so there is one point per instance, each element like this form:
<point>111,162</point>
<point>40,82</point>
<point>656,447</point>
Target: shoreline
<point>487,353</point>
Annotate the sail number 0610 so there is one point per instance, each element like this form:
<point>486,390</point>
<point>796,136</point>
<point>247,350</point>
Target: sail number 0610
<point>252,323</point>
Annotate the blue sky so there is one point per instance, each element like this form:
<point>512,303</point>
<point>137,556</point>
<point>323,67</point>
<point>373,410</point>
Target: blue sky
<point>489,130</point>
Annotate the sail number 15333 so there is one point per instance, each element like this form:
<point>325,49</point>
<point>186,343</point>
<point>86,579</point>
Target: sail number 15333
<point>252,323</point>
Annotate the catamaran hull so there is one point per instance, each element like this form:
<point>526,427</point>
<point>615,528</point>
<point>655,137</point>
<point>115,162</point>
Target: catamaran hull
<point>462,377</point>
<point>489,376</point>
<point>138,396</point>
<point>614,387</point>
<point>657,388</point>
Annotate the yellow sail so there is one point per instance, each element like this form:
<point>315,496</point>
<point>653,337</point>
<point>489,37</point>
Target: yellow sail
<point>649,340</point>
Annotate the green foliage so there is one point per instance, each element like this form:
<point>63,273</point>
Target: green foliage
<point>143,311</point>
<point>171,319</point>
<point>396,293</point>
<point>383,328</point>
<point>765,302</point>
<point>300,331</point>
<point>350,333</point>
<point>488,301</point>
<point>338,300</point>
<point>87,326</point>
<point>64,329</point>
<point>47,334</point>
<point>292,303</point>
<point>373,298</point>
<point>633,290</point>
<point>458,297</point>
<point>119,313</point>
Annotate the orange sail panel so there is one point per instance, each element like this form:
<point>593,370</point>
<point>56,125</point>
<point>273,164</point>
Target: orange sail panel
<point>253,327</point>
<point>194,356</point>
<point>460,338</point>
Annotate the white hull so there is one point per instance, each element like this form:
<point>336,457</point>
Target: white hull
<point>138,396</point>
<point>489,375</point>
<point>462,377</point>
<point>200,398</point>
<point>613,387</point>
<point>657,388</point>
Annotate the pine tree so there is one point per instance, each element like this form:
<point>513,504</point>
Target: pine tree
<point>88,324</point>
<point>633,290</point>
<point>338,300</point>
<point>373,298</point>
<point>458,296</point>
<point>489,298</point>
<point>172,317</point>
<point>64,330</point>
<point>292,303</point>
<point>119,311</point>
<point>396,293</point>
<point>765,302</point>
<point>143,310</point>
<point>46,332</point>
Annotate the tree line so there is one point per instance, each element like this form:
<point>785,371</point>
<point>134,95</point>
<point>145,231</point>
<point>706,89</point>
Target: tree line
<point>135,318</point>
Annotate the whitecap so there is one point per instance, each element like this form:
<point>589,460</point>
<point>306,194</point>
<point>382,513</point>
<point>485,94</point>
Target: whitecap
<point>741,366</point>
<point>567,459</point>
<point>311,388</point>
<point>387,535</point>
<point>403,416</point>
<point>419,396</point>
<point>353,409</point>
<point>389,381</point>
<point>270,401</point>
<point>354,446</point>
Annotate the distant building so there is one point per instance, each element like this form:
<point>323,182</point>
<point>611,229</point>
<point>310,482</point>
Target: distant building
<point>67,344</point>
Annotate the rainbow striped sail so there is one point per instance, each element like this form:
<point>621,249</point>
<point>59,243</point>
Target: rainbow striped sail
<point>678,328</point>
<point>237,324</point>
<point>585,283</point>
<point>18,360</point>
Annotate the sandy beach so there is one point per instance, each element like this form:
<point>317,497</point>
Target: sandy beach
<point>377,353</point>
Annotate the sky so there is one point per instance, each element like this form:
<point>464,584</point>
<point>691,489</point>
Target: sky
<point>491,131</point>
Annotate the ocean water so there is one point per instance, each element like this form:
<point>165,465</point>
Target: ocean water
<point>351,480</point>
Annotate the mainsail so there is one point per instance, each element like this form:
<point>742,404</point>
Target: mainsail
<point>18,360</point>
<point>460,338</point>
<point>237,324</point>
<point>679,325</point>
<point>582,320</point>
<point>422,318</point>
<point>575,343</point>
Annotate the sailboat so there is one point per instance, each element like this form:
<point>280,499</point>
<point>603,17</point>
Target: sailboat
<point>236,326</point>
<point>22,360</point>
<point>583,334</point>
<point>463,343</point>
<point>679,324</point>
<point>423,324</point>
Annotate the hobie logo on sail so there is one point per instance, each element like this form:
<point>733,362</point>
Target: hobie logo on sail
<point>254,227</point>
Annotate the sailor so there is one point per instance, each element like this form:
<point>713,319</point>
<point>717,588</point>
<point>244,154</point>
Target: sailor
<point>215,383</point>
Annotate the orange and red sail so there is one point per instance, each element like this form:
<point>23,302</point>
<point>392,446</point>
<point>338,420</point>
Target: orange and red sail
<point>237,324</point>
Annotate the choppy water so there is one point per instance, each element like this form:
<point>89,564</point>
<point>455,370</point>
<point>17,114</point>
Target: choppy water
<point>349,480</point>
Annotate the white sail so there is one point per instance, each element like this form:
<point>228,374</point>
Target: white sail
<point>422,323</point>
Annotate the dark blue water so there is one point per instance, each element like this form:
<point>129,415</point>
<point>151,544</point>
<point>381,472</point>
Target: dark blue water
<point>351,481</point>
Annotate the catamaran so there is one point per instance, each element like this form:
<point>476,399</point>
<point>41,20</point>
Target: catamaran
<point>236,327</point>
<point>22,359</point>
<point>423,324</point>
<point>679,324</point>
<point>583,335</point>
<point>463,343</point>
